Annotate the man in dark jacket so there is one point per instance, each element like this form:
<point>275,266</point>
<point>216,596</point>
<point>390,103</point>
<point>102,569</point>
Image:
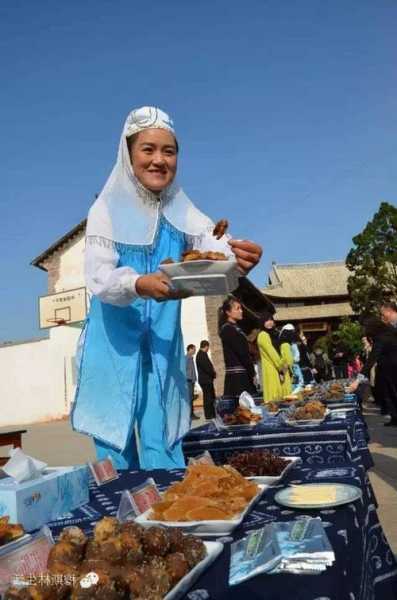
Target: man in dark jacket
<point>206,375</point>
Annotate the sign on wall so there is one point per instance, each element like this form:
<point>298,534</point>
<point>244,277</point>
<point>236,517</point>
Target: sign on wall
<point>63,308</point>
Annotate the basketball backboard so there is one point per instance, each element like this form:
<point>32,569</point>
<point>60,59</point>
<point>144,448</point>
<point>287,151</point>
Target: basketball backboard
<point>63,308</point>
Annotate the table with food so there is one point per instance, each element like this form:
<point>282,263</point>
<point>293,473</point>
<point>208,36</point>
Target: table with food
<point>262,510</point>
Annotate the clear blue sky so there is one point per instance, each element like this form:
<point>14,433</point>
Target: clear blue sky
<point>285,112</point>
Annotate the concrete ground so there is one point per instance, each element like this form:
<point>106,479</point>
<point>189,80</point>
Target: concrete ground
<point>57,444</point>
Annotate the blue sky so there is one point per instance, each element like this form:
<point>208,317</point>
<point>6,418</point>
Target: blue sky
<point>285,113</point>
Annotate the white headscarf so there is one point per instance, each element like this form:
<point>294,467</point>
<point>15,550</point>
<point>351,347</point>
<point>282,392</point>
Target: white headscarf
<point>125,211</point>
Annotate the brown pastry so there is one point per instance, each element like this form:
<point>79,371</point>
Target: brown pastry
<point>193,550</point>
<point>106,528</point>
<point>175,537</point>
<point>167,261</point>
<point>220,228</point>
<point>191,255</point>
<point>99,586</point>
<point>8,531</point>
<point>177,566</point>
<point>156,541</point>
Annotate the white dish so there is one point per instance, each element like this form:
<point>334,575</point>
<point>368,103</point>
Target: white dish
<point>205,528</point>
<point>273,479</point>
<point>345,494</point>
<point>214,549</point>
<point>203,277</point>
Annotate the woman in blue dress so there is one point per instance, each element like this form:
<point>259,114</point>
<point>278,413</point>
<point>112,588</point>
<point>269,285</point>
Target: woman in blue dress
<point>132,395</point>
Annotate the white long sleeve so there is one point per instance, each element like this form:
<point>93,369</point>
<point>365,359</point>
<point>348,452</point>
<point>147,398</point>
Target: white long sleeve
<point>112,284</point>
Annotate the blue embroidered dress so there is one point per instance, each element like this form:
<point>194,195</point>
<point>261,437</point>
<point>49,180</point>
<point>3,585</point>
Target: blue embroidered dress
<point>132,367</point>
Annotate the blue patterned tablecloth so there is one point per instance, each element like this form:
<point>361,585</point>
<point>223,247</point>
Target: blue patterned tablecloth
<point>330,443</point>
<point>365,568</point>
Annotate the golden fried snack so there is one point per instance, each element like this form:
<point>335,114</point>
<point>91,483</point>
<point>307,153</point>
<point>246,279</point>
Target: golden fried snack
<point>99,586</point>
<point>167,261</point>
<point>9,531</point>
<point>207,492</point>
<point>191,255</point>
<point>220,228</point>
<point>106,528</point>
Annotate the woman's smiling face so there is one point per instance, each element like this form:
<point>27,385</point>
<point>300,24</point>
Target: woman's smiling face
<point>154,158</point>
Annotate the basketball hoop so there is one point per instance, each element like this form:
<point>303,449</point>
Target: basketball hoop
<point>58,322</point>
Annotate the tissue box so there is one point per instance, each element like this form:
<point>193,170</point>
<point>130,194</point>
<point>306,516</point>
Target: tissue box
<point>34,503</point>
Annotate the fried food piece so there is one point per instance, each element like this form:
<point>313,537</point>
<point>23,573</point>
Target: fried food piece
<point>210,255</point>
<point>207,513</point>
<point>220,228</point>
<point>177,566</point>
<point>191,255</point>
<point>131,547</point>
<point>241,416</point>
<point>311,410</point>
<point>106,528</point>
<point>193,550</point>
<point>9,531</point>
<point>175,537</point>
<point>99,586</point>
<point>150,581</point>
<point>74,535</point>
<point>167,261</point>
<point>255,463</point>
<point>64,558</point>
<point>156,541</point>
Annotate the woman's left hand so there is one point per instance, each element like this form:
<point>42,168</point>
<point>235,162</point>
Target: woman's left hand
<point>247,253</point>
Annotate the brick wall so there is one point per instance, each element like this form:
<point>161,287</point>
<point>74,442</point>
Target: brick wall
<point>212,303</point>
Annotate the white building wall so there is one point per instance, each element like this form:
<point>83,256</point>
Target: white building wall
<point>37,379</point>
<point>31,383</point>
<point>194,321</point>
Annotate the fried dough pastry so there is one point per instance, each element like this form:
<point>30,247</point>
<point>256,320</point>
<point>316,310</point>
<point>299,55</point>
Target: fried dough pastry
<point>220,228</point>
<point>206,493</point>
<point>9,531</point>
<point>241,416</point>
<point>311,410</point>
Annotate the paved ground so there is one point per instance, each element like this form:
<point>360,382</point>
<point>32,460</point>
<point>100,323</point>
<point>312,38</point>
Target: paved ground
<point>57,444</point>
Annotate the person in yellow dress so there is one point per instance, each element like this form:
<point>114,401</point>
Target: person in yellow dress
<point>272,363</point>
<point>285,340</point>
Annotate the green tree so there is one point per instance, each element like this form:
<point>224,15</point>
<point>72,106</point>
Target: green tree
<point>373,262</point>
<point>350,334</point>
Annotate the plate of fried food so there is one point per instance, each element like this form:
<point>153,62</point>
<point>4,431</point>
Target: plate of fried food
<point>312,413</point>
<point>262,466</point>
<point>272,407</point>
<point>121,560</point>
<point>10,532</point>
<point>241,417</point>
<point>209,501</point>
<point>203,273</point>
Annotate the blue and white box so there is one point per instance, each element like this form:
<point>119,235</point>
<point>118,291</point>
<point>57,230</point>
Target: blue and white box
<point>56,491</point>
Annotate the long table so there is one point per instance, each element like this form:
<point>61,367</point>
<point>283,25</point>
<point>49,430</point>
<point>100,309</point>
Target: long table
<point>365,568</point>
<point>333,442</point>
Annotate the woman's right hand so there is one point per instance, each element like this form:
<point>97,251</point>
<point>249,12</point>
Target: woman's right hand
<point>158,287</point>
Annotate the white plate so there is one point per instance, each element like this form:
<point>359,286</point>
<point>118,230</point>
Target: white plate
<point>345,493</point>
<point>272,479</point>
<point>203,277</point>
<point>214,549</point>
<point>205,528</point>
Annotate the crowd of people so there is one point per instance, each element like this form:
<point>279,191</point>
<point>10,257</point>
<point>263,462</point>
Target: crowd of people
<point>275,362</point>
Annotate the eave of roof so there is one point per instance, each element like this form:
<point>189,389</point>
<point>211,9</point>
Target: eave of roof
<point>37,262</point>
<point>320,311</point>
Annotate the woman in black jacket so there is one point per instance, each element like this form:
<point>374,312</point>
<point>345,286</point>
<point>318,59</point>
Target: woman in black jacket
<point>384,355</point>
<point>239,367</point>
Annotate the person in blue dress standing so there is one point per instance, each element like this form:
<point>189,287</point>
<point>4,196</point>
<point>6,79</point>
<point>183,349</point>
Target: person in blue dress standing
<point>132,396</point>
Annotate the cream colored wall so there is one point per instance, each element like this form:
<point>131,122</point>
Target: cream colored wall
<point>31,383</point>
<point>194,321</point>
<point>36,378</point>
<point>71,268</point>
